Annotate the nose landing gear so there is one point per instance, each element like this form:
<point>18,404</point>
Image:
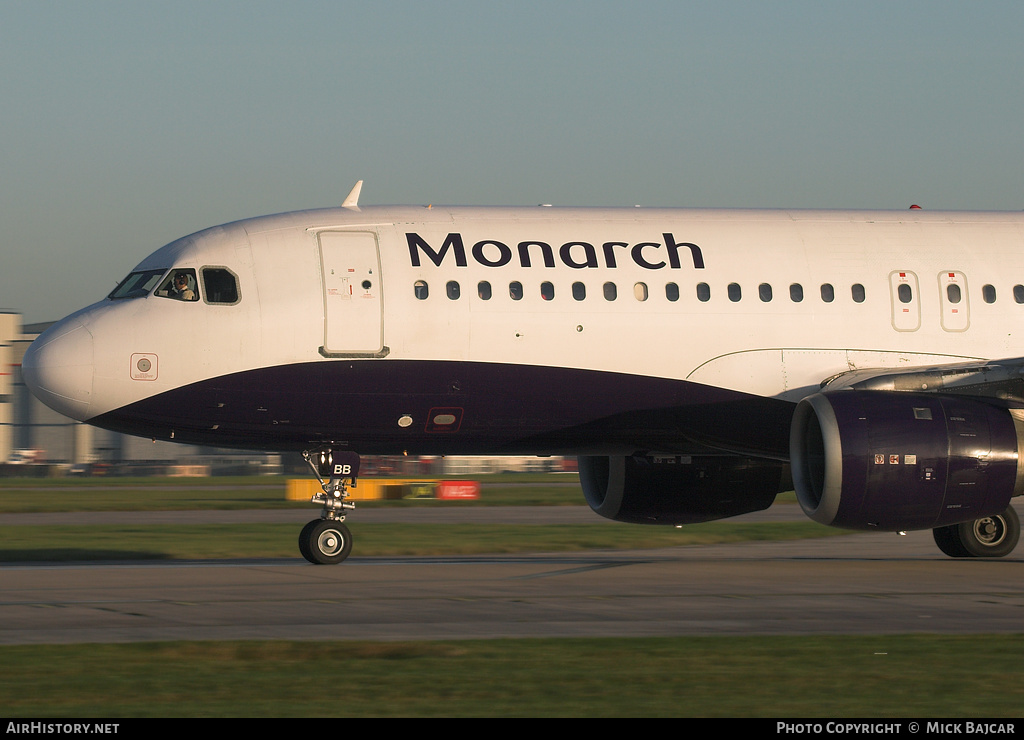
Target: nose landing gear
<point>327,540</point>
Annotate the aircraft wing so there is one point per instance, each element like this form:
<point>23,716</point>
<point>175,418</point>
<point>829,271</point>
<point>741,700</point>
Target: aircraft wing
<point>995,379</point>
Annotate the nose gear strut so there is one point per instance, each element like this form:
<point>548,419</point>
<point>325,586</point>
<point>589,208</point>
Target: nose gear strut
<point>327,540</point>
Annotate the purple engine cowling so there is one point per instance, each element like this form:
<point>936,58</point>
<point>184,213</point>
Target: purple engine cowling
<point>678,489</point>
<point>894,461</point>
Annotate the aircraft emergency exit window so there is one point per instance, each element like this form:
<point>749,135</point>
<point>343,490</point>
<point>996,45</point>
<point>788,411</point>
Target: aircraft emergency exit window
<point>1018,293</point>
<point>453,290</point>
<point>672,292</point>
<point>828,293</point>
<point>420,289</point>
<point>137,284</point>
<point>180,284</point>
<point>905,293</point>
<point>610,292</point>
<point>483,289</point>
<point>953,294</point>
<point>547,291</point>
<point>515,290</point>
<point>857,291</point>
<point>735,292</point>
<point>703,292</point>
<point>988,292</point>
<point>579,291</point>
<point>220,285</point>
<point>796,292</point>
<point>640,291</point>
<point>764,292</point>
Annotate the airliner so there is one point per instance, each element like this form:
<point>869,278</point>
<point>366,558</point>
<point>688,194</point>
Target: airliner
<point>696,361</point>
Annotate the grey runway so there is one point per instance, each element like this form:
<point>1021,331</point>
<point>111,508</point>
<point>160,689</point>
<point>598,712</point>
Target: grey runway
<point>857,584</point>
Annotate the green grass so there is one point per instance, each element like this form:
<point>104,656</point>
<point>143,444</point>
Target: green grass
<point>211,541</point>
<point>801,677</point>
<point>816,676</point>
<point>21,495</point>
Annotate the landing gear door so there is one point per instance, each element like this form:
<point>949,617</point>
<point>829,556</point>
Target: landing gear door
<point>353,295</point>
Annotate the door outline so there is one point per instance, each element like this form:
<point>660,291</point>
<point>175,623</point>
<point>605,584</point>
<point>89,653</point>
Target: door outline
<point>956,316</point>
<point>906,315</point>
<point>353,294</point>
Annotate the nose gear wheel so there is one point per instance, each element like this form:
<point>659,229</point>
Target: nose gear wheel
<point>325,541</point>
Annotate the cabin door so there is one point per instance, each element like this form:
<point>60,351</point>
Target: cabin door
<point>353,295</point>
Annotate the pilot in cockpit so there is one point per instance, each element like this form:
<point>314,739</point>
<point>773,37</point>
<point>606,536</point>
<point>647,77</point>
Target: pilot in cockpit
<point>180,290</point>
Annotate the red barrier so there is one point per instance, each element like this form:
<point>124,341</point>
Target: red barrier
<point>458,489</point>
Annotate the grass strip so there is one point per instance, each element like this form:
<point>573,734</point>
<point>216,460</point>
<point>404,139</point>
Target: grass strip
<point>805,677</point>
<point>174,494</point>
<point>211,541</point>
<point>22,495</point>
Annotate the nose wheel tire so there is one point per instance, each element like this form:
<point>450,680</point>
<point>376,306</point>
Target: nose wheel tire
<point>324,541</point>
<point>988,537</point>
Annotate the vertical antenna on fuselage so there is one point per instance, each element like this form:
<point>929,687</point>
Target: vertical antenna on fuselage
<point>352,199</point>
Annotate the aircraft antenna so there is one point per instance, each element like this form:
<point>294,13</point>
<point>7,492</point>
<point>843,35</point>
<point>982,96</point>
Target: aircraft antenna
<point>352,199</point>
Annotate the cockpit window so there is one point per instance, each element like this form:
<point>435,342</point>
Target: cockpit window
<point>180,285</point>
<point>220,285</point>
<point>137,284</point>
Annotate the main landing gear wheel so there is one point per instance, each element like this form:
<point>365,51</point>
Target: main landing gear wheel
<point>988,537</point>
<point>325,541</point>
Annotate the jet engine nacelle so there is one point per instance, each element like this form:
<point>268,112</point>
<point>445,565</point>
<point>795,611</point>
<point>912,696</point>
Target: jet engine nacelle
<point>897,461</point>
<point>677,490</point>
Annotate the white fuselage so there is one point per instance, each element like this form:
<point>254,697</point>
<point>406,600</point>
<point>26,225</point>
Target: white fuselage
<point>761,303</point>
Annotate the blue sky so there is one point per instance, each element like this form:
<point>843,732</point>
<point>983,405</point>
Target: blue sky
<point>127,124</point>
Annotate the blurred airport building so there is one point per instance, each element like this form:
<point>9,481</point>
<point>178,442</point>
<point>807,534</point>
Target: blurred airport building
<point>35,440</point>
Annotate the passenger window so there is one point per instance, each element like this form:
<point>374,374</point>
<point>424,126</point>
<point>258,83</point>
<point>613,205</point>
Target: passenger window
<point>828,293</point>
<point>1018,293</point>
<point>796,292</point>
<point>453,290</point>
<point>672,292</point>
<point>547,291</point>
<point>640,291</point>
<point>988,292</point>
<point>953,293</point>
<point>180,285</point>
<point>905,293</point>
<point>610,292</point>
<point>220,285</point>
<point>703,292</point>
<point>515,290</point>
<point>483,289</point>
<point>579,291</point>
<point>420,289</point>
<point>735,293</point>
<point>857,291</point>
<point>764,292</point>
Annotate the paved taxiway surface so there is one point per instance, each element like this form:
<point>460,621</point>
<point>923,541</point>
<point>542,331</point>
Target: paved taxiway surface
<point>857,584</point>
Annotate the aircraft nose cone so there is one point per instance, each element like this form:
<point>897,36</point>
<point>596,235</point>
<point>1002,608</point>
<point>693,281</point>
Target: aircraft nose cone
<point>58,368</point>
